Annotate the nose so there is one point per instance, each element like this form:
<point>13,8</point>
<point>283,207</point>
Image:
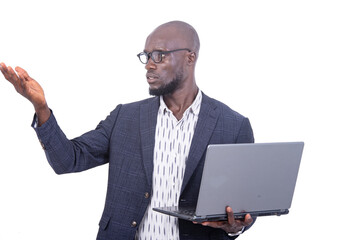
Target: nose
<point>150,64</point>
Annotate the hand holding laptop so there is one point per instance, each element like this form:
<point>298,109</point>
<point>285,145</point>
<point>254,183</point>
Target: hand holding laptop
<point>232,225</point>
<point>273,168</point>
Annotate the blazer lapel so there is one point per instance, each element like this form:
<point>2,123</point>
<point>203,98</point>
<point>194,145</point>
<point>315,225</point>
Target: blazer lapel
<point>208,117</point>
<point>148,118</point>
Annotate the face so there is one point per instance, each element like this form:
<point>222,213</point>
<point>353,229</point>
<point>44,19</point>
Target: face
<point>167,76</point>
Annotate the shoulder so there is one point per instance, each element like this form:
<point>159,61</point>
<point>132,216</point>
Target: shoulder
<point>234,126</point>
<point>133,106</point>
<point>223,109</point>
<point>151,100</point>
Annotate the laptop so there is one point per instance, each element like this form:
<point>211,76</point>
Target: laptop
<point>254,178</point>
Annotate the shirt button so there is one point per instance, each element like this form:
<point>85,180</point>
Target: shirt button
<point>133,224</point>
<point>146,195</point>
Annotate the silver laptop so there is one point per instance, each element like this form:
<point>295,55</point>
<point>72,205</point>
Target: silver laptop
<point>255,178</point>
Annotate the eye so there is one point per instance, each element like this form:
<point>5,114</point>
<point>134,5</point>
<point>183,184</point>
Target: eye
<point>157,56</point>
<point>144,57</point>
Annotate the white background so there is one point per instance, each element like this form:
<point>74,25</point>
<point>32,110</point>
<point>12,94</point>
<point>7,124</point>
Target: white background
<point>290,66</point>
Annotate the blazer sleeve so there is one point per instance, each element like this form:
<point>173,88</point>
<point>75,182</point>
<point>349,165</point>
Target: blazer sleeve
<point>245,134</point>
<point>79,154</point>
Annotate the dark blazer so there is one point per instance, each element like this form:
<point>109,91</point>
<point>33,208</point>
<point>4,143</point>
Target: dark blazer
<point>125,140</point>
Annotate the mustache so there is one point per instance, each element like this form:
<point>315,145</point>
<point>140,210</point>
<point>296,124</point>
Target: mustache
<point>151,74</point>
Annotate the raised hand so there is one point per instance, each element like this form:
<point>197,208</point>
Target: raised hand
<point>29,88</point>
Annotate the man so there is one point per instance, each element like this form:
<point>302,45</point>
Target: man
<point>155,147</point>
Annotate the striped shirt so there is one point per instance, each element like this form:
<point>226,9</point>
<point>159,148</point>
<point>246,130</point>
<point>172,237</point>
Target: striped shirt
<point>172,144</point>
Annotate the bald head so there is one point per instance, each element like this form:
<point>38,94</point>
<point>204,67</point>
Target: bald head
<point>174,74</point>
<point>178,35</point>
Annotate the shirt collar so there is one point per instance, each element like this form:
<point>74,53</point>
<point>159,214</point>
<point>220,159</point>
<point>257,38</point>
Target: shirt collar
<point>193,108</point>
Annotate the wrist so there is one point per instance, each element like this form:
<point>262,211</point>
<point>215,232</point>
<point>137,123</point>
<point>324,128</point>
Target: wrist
<point>43,113</point>
<point>236,233</point>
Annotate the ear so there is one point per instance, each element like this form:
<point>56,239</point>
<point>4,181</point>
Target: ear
<point>191,58</point>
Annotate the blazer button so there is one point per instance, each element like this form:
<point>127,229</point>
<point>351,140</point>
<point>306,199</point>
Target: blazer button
<point>133,224</point>
<point>147,195</point>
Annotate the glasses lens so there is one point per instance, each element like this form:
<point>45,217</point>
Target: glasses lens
<point>143,57</point>
<point>156,56</point>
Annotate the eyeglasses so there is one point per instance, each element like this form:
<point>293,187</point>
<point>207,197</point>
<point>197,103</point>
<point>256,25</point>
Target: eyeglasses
<point>157,55</point>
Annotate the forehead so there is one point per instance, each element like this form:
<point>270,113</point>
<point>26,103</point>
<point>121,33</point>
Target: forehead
<point>164,39</point>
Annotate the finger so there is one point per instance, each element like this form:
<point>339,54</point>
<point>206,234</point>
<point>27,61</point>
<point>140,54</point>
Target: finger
<point>22,82</point>
<point>248,220</point>
<point>4,70</point>
<point>215,224</point>
<point>230,216</point>
<point>12,76</point>
<point>24,75</point>
<point>205,223</point>
<point>17,81</point>
<point>2,66</point>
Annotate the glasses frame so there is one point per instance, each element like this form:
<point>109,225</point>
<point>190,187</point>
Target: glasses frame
<point>162,54</point>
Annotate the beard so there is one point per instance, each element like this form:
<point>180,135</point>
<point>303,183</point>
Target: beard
<point>168,88</point>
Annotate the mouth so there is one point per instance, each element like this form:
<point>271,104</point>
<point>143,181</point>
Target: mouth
<point>151,78</point>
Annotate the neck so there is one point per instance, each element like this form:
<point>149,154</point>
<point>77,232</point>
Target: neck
<point>180,100</point>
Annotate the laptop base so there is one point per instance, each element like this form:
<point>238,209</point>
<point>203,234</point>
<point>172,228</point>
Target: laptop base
<point>189,214</point>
